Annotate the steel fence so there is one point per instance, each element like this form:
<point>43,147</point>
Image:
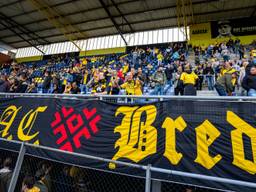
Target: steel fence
<point>124,99</point>
<point>61,176</point>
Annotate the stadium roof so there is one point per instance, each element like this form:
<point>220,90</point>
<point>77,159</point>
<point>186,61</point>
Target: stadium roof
<point>32,22</point>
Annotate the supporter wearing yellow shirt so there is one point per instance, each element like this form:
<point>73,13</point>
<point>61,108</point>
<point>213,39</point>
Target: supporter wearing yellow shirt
<point>125,68</point>
<point>253,52</point>
<point>160,58</point>
<point>28,185</point>
<point>189,79</point>
<point>131,86</point>
<point>84,61</point>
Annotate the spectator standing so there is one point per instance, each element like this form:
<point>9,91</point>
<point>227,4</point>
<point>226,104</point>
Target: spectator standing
<point>28,185</point>
<point>132,86</point>
<point>189,78</point>
<point>249,82</point>
<point>6,175</point>
<point>242,74</point>
<point>160,80</point>
<point>74,88</point>
<point>4,84</point>
<point>178,85</point>
<point>224,85</point>
<point>199,72</point>
<point>209,74</point>
<point>40,183</point>
<point>47,82</point>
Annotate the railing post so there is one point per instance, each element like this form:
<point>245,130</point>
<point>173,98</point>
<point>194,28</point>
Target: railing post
<point>17,169</point>
<point>156,186</point>
<point>148,179</point>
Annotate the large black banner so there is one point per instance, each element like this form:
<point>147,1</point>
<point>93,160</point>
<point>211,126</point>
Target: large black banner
<point>215,138</point>
<point>234,27</point>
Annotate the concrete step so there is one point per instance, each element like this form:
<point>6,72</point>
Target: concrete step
<point>207,93</point>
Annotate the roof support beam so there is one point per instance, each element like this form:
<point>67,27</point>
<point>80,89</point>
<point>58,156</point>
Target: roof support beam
<point>253,13</point>
<point>9,4</point>
<point>13,30</point>
<point>122,15</point>
<point>150,20</point>
<point>52,6</point>
<point>52,15</point>
<point>131,14</point>
<point>116,16</point>
<point>21,31</point>
<point>76,12</point>
<point>113,21</point>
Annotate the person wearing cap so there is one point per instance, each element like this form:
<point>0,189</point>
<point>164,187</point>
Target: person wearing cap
<point>132,85</point>
<point>226,83</point>
<point>160,79</point>
<point>189,78</point>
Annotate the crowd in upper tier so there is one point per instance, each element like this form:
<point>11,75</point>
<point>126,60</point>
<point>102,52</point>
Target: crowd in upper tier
<point>174,69</point>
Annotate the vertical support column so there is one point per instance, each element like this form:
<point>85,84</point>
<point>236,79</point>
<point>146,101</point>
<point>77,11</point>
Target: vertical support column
<point>17,169</point>
<point>156,186</point>
<point>148,179</point>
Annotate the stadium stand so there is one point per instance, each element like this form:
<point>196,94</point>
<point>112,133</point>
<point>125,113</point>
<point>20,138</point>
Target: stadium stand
<point>149,71</point>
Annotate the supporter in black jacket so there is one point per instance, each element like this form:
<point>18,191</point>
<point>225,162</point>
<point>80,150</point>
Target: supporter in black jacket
<point>5,175</point>
<point>4,84</point>
<point>47,82</point>
<point>168,72</point>
<point>249,82</point>
<point>249,66</point>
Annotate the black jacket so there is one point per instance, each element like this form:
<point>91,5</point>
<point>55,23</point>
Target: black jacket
<point>248,67</point>
<point>249,82</point>
<point>5,180</point>
<point>168,73</point>
<point>4,87</point>
<point>47,82</point>
<point>208,71</point>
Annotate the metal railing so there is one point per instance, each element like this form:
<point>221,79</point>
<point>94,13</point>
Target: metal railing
<point>148,169</point>
<point>125,97</point>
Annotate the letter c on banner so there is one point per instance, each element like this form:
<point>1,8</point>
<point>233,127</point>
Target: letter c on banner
<point>28,125</point>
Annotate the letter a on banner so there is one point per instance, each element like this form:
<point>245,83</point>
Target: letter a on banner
<point>206,134</point>
<point>138,137</point>
<point>238,144</point>
<point>7,119</point>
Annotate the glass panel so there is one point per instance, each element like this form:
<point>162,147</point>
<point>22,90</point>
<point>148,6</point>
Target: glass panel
<point>155,36</point>
<point>150,37</point>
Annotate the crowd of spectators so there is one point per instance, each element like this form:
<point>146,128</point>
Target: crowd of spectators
<point>159,70</point>
<point>43,176</point>
<point>38,175</point>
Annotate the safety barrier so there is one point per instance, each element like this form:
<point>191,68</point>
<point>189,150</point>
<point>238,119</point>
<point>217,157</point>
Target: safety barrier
<point>138,183</point>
